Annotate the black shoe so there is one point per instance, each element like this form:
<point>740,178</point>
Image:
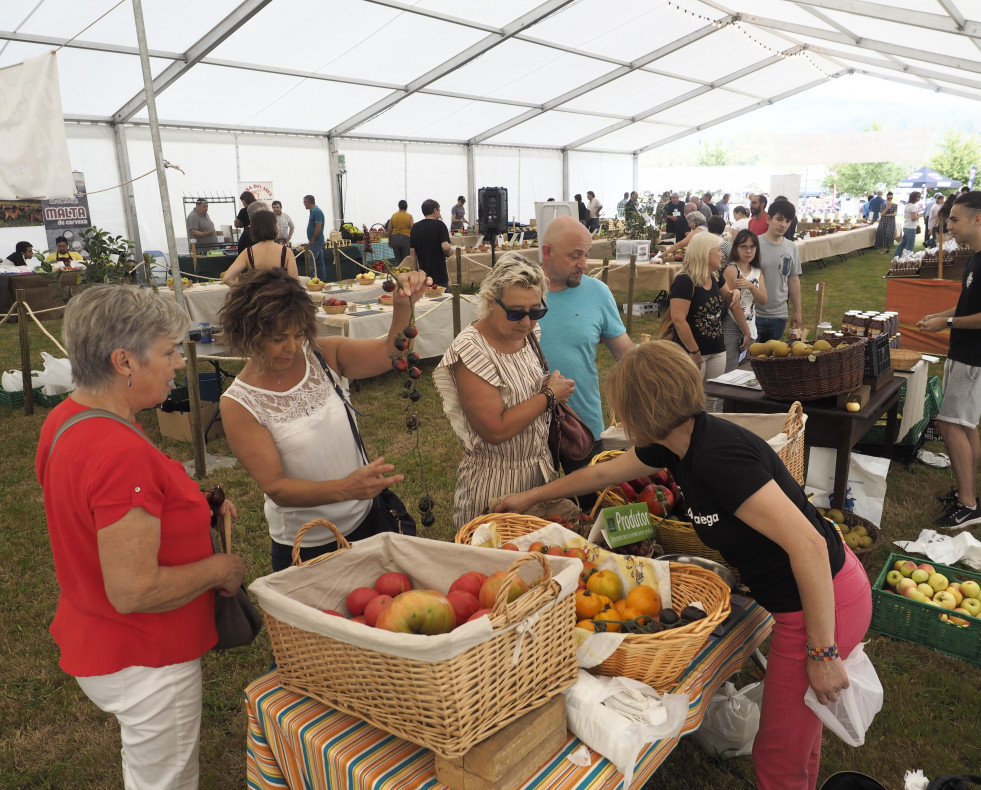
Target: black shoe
<point>948,500</point>
<point>960,516</point>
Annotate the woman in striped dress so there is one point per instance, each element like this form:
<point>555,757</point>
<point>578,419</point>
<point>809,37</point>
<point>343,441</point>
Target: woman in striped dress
<point>885,234</point>
<point>495,393</point>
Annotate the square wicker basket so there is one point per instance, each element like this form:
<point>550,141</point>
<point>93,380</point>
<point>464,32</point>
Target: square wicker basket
<point>445,705</point>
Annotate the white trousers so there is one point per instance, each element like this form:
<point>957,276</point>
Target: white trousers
<point>713,365</point>
<point>159,715</point>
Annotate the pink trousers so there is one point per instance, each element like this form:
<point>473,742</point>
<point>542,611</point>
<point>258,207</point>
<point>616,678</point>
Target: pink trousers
<point>787,750</point>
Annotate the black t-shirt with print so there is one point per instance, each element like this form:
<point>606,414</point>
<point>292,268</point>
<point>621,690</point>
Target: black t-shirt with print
<point>704,314</point>
<point>724,466</point>
<point>965,344</point>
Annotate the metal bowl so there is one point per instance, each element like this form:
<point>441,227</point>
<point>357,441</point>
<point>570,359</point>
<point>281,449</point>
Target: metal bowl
<point>710,565</point>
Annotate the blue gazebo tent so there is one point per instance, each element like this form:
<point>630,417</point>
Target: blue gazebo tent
<point>928,178</point>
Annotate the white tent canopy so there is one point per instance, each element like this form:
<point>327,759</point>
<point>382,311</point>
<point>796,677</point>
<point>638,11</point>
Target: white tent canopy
<point>437,97</point>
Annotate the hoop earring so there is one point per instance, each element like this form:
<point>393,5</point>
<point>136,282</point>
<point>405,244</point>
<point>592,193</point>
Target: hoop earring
<point>130,382</point>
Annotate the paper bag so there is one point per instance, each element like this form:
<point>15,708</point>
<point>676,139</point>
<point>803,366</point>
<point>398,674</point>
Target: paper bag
<point>865,494</point>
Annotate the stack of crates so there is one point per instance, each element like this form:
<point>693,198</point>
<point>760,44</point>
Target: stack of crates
<point>918,433</point>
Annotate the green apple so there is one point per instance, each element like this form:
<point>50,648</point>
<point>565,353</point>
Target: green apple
<point>919,575</point>
<point>958,621</point>
<point>971,589</point>
<point>893,577</point>
<point>938,582</point>
<point>905,567</point>
<point>972,606</point>
<point>955,589</point>
<point>905,584</point>
<point>916,595</point>
<point>926,589</point>
<point>926,566</point>
<point>945,599</point>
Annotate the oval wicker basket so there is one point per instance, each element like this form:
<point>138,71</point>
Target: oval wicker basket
<point>833,372</point>
<point>315,286</point>
<point>334,309</point>
<point>867,555</point>
<point>659,659</point>
<point>508,525</point>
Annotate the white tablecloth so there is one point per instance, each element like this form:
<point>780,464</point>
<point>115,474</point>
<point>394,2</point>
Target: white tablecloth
<point>839,243</point>
<point>434,319</point>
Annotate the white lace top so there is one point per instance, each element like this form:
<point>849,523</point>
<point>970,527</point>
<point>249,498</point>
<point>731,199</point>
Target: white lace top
<point>314,439</point>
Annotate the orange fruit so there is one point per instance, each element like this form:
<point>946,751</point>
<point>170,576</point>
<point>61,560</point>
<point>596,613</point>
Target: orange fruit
<point>589,604</point>
<point>644,599</point>
<point>510,547</point>
<point>587,624</point>
<point>609,614</point>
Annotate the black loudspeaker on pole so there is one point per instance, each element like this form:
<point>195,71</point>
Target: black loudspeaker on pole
<point>492,214</point>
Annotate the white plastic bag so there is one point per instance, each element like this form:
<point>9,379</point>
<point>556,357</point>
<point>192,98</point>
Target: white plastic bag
<point>13,381</point>
<point>56,376</point>
<point>619,716</point>
<point>865,493</point>
<point>731,721</point>
<point>851,715</point>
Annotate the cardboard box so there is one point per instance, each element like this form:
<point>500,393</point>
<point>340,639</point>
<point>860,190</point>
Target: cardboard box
<point>177,424</point>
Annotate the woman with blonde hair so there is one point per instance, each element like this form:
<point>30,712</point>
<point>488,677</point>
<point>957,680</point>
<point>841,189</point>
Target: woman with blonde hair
<point>496,394</point>
<point>697,302</point>
<point>793,560</point>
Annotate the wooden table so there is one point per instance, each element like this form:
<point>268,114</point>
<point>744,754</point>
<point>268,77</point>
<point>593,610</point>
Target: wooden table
<point>828,425</point>
<point>294,741</point>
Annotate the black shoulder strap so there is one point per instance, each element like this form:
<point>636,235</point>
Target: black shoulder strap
<point>87,414</point>
<point>248,251</point>
<point>282,258</point>
<point>348,406</point>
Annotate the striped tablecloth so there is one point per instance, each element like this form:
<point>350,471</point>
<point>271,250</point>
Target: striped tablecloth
<point>296,742</point>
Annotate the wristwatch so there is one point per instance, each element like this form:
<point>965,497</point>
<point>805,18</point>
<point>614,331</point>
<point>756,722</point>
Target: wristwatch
<point>950,322</point>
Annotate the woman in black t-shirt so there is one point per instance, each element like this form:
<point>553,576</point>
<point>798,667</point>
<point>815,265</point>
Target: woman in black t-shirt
<point>743,502</point>
<point>242,221</point>
<point>697,301</point>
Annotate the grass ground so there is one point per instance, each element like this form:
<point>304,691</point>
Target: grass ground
<point>54,738</point>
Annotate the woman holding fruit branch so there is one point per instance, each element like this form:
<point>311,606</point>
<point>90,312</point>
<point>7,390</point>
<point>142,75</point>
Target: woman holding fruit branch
<point>494,391</point>
<point>130,535</point>
<point>743,502</point>
<point>288,418</point>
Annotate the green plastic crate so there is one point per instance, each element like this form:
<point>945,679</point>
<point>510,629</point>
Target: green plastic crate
<point>14,400</point>
<point>920,623</point>
<point>50,401</point>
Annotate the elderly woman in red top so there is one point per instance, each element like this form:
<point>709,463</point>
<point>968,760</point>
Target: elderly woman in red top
<point>130,536</point>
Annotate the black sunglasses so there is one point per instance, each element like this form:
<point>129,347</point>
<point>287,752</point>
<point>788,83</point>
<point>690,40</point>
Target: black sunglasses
<point>518,315</point>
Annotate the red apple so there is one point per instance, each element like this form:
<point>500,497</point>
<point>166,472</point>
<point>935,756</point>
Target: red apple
<point>358,599</point>
<point>488,591</point>
<point>392,583</point>
<point>464,605</point>
<point>480,613</point>
<point>359,619</point>
<point>375,607</point>
<point>471,582</point>
<point>331,611</point>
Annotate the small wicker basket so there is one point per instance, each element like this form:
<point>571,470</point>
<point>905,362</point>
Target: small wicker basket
<point>376,233</point>
<point>833,372</point>
<point>334,309</point>
<point>315,286</point>
<point>867,555</point>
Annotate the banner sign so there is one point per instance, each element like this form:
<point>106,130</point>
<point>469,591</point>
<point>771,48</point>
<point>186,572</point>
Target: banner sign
<point>263,190</point>
<point>68,217</point>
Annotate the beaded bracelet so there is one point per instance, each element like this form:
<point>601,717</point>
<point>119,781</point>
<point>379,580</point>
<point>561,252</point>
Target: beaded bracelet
<point>550,396</point>
<point>823,653</point>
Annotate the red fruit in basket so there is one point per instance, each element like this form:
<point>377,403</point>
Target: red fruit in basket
<point>577,553</point>
<point>358,599</point>
<point>510,547</point>
<point>359,619</point>
<point>392,584</point>
<point>464,605</point>
<point>470,582</point>
<point>556,551</point>
<point>375,607</point>
<point>331,611</point>
<point>418,612</point>
<point>480,613</point>
<point>640,482</point>
<point>489,589</point>
<point>342,302</point>
<point>661,477</point>
<point>629,492</point>
<point>659,500</point>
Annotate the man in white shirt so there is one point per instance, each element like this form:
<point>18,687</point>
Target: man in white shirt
<point>933,221</point>
<point>594,207</point>
<point>284,224</point>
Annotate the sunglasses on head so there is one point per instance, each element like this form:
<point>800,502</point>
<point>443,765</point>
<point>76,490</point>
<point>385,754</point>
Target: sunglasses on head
<point>518,315</point>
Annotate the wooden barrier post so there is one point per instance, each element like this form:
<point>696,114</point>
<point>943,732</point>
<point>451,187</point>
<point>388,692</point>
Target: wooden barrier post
<point>459,267</point>
<point>820,308</point>
<point>630,292</point>
<point>25,351</point>
<point>605,271</point>
<point>194,395</point>
<point>940,251</point>
<point>455,289</point>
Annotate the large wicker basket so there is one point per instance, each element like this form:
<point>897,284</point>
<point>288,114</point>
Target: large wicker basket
<point>508,526</point>
<point>679,537</point>
<point>768,426</point>
<point>660,659</point>
<point>443,705</point>
<point>833,372</point>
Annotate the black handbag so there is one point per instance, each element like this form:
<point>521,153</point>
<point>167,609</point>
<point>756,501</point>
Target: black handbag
<point>568,435</point>
<point>388,513</point>
<point>236,619</point>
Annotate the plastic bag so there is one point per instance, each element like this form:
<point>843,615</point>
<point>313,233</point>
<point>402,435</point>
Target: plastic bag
<point>851,715</point>
<point>619,716</point>
<point>56,376</point>
<point>13,381</point>
<point>731,721</point>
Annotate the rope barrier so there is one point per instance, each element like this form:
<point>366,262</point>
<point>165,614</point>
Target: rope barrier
<point>37,321</point>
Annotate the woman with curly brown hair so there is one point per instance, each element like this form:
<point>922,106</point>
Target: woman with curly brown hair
<point>287,414</point>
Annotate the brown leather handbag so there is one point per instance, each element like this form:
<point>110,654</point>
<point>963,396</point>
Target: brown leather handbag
<point>568,435</point>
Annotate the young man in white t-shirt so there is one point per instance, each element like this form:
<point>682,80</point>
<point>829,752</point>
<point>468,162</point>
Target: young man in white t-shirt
<point>780,262</point>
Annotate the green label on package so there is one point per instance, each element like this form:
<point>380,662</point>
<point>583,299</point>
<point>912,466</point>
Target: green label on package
<point>626,524</point>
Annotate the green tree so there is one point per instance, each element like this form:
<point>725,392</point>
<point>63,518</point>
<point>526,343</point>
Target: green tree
<point>713,155</point>
<point>955,155</point>
<point>863,178</point>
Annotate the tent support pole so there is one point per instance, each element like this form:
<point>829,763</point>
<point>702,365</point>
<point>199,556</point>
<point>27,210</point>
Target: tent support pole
<point>126,193</point>
<point>337,197</point>
<point>636,166</point>
<point>471,187</point>
<point>151,106</point>
<point>565,174</point>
